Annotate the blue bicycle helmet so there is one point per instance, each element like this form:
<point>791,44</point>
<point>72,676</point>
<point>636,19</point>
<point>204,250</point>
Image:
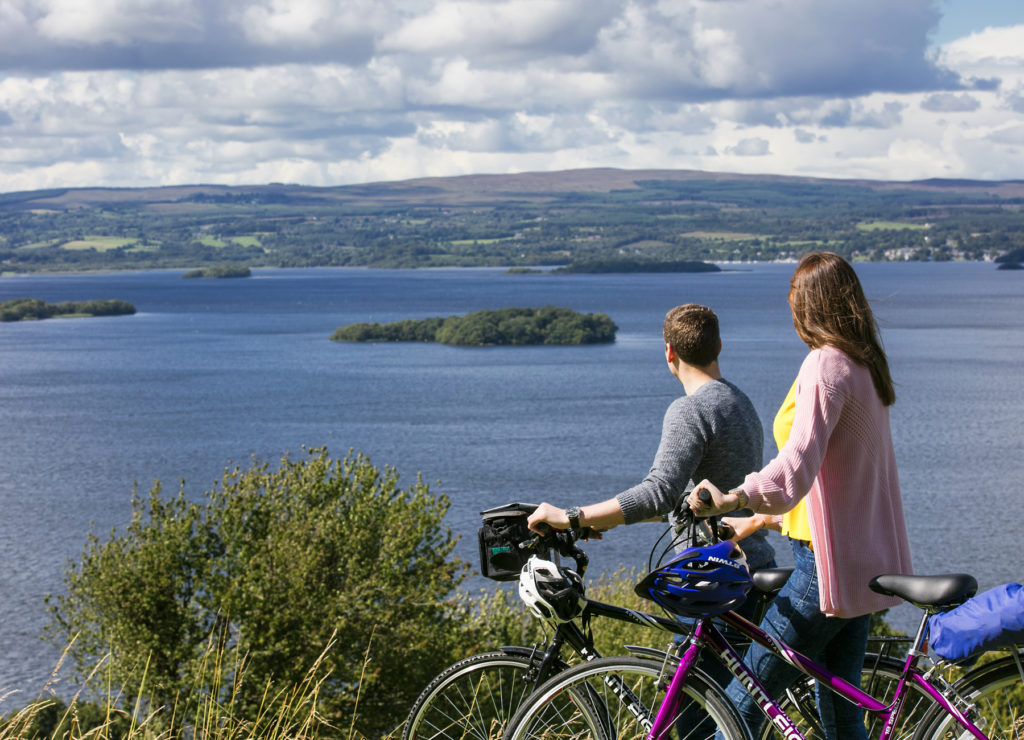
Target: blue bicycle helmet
<point>700,582</point>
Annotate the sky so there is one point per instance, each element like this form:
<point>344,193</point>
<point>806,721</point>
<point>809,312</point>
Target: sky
<point>133,93</point>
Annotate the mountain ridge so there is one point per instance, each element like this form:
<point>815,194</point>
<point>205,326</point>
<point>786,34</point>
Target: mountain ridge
<point>469,189</point>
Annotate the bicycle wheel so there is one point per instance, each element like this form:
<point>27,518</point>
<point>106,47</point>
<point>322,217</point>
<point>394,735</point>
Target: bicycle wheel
<point>879,678</point>
<point>995,697</point>
<point>472,699</point>
<point>617,699</point>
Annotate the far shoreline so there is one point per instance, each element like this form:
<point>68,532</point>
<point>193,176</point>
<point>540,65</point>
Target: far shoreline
<point>725,265</point>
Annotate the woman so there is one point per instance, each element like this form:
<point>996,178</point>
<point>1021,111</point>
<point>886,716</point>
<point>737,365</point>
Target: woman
<point>839,455</point>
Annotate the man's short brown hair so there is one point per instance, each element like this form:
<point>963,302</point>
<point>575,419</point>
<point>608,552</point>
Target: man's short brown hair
<point>692,331</point>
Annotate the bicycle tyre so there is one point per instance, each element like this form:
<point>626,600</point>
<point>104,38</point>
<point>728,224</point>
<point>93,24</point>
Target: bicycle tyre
<point>473,698</point>
<point>996,695</point>
<point>584,702</point>
<point>879,678</point>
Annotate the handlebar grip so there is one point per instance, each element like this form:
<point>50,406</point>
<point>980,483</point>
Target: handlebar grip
<point>704,495</point>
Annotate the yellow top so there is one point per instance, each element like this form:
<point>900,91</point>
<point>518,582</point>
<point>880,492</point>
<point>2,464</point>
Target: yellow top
<point>794,521</point>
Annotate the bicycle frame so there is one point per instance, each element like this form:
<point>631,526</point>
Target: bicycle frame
<point>707,636</point>
<point>583,645</point>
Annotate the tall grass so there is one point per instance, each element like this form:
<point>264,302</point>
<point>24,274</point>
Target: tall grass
<point>214,710</point>
<point>207,713</point>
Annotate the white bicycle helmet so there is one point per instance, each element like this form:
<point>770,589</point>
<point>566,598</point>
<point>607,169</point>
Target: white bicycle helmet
<point>549,591</point>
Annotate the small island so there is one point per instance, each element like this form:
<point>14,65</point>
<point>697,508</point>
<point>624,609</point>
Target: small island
<point>220,271</point>
<point>32,309</point>
<point>503,327</point>
<point>591,267</point>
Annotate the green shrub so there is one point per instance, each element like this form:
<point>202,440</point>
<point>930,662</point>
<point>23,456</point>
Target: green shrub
<point>268,569</point>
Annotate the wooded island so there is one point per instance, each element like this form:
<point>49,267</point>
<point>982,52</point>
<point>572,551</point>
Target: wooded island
<point>29,309</point>
<point>504,327</point>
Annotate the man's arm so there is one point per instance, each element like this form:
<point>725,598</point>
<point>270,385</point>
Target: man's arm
<point>602,516</point>
<point>679,452</point>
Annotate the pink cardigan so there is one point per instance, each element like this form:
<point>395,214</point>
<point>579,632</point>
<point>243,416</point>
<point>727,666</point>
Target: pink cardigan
<point>840,455</point>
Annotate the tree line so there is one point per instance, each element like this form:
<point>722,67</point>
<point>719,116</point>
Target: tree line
<point>219,272</point>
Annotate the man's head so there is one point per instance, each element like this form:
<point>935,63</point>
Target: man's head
<point>692,333</point>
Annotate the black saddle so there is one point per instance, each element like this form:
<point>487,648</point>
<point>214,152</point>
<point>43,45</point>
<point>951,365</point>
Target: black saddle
<point>771,580</point>
<point>936,593</point>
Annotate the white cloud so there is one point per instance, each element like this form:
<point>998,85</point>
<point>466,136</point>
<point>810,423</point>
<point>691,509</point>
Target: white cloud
<point>335,91</point>
<point>483,28</point>
<point>121,22</point>
<point>309,22</point>
<point>755,147</point>
<point>996,50</point>
<point>951,103</point>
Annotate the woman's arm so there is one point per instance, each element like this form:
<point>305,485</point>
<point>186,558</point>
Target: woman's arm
<point>747,525</point>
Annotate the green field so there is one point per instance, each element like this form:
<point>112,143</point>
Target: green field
<point>890,226</point>
<point>726,236</point>
<point>219,243</point>
<point>99,243</point>
<point>470,242</point>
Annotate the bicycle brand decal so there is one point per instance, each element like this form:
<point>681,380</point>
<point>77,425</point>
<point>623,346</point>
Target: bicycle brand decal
<point>619,688</point>
<point>642,618</point>
<point>723,561</point>
<point>765,702</point>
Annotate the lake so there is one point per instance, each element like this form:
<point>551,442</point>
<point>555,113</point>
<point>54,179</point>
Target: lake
<point>210,373</point>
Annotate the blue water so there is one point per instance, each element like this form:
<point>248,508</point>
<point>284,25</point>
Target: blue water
<point>211,373</point>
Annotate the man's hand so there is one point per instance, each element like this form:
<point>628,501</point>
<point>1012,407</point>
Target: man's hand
<point>547,514</point>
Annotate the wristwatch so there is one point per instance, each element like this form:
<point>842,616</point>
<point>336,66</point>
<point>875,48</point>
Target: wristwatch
<point>573,514</point>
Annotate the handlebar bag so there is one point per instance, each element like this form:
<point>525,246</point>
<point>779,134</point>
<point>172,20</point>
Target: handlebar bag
<point>990,620</point>
<point>504,529</point>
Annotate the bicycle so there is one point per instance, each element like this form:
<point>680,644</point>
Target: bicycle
<point>476,696</point>
<point>637,697</point>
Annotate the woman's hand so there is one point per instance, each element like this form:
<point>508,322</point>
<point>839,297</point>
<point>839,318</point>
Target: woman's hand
<point>721,503</point>
<point>744,526</point>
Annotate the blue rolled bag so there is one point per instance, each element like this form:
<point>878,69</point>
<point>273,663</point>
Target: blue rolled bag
<point>988,621</point>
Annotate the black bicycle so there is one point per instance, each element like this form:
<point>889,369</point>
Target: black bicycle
<point>475,697</point>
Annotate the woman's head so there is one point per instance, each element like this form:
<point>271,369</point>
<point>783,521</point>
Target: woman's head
<point>830,308</point>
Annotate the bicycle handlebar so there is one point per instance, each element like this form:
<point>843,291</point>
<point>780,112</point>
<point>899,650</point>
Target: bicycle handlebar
<point>562,541</point>
<point>686,519</point>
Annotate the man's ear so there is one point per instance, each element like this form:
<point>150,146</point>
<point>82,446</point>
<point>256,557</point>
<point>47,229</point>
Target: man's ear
<point>670,354</point>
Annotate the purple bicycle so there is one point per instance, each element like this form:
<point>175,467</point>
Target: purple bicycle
<point>642,698</point>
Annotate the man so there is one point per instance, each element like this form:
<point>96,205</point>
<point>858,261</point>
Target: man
<point>712,432</point>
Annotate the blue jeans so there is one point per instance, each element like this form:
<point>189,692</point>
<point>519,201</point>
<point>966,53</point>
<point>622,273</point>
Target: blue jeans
<point>837,644</point>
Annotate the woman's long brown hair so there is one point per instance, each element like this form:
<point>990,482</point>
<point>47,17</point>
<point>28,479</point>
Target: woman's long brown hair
<point>829,308</point>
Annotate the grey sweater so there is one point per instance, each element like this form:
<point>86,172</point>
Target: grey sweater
<point>713,434</point>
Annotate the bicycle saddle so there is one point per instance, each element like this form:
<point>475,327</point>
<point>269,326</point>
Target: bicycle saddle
<point>927,591</point>
<point>771,580</point>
